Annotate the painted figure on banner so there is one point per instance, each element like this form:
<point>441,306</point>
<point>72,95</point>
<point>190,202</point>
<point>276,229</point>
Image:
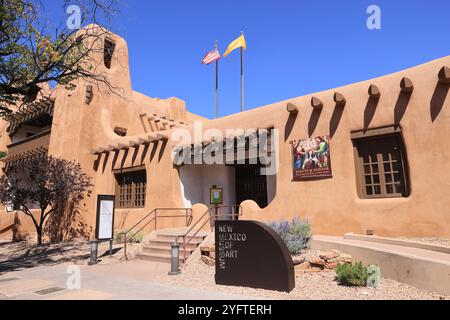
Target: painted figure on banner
<point>311,158</point>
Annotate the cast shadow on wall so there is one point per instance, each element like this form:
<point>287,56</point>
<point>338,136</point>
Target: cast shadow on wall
<point>67,224</point>
<point>313,121</point>
<point>401,106</point>
<point>369,111</point>
<point>290,125</point>
<point>336,118</point>
<point>438,99</point>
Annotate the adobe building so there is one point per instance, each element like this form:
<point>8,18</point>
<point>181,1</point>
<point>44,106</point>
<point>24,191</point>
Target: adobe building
<point>377,157</point>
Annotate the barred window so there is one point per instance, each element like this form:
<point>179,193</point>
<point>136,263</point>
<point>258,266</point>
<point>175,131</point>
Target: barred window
<point>381,164</point>
<point>130,189</point>
<point>108,52</point>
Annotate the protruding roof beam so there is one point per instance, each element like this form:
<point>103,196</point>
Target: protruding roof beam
<point>144,141</point>
<point>132,144</point>
<point>374,92</point>
<point>406,85</point>
<point>316,103</point>
<point>160,136</point>
<point>444,75</point>
<point>292,108</point>
<point>339,99</point>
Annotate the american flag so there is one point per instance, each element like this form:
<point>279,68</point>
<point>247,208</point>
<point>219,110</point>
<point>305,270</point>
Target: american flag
<point>211,56</point>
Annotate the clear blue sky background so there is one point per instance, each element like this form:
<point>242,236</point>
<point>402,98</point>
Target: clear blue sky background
<point>294,47</point>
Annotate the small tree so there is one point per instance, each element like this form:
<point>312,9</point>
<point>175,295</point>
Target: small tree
<point>46,182</point>
<point>36,51</point>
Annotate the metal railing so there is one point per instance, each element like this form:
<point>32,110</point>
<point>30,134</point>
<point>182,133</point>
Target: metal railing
<point>207,217</point>
<point>153,217</point>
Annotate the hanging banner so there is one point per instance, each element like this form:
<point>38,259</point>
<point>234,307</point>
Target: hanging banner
<point>311,158</point>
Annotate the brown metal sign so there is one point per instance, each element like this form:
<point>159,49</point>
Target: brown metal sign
<point>251,254</point>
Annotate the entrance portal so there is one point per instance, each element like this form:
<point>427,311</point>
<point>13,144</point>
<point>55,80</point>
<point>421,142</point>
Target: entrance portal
<point>251,185</point>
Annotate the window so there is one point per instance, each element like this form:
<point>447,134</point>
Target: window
<point>130,189</point>
<point>108,52</point>
<point>381,163</point>
<point>120,131</point>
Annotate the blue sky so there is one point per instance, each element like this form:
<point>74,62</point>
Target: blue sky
<point>294,47</point>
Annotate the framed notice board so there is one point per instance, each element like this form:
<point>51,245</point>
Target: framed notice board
<point>216,195</point>
<point>105,217</point>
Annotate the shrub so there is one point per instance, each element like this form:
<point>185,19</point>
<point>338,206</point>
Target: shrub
<point>295,234</point>
<point>352,274</point>
<point>3,154</point>
<point>137,238</point>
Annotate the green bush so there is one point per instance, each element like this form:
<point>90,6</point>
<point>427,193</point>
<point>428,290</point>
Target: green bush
<point>352,274</point>
<point>137,238</point>
<point>295,234</point>
<point>3,154</point>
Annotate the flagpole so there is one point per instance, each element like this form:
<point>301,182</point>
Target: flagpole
<point>217,83</point>
<point>242,77</point>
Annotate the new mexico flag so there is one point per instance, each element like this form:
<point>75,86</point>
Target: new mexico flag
<point>238,43</point>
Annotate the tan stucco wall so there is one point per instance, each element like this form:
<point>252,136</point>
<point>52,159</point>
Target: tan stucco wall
<point>332,205</point>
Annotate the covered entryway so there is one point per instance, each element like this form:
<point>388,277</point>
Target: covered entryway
<point>251,185</point>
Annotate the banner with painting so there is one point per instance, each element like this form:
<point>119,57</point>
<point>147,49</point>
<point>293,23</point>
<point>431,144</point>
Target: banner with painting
<point>311,158</point>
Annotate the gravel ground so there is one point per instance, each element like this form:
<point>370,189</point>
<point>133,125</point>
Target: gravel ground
<point>437,241</point>
<point>316,286</point>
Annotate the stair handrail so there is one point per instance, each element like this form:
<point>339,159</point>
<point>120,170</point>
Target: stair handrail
<point>214,217</point>
<point>188,214</point>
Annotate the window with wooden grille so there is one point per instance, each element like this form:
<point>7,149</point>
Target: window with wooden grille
<point>130,189</point>
<point>381,163</point>
<point>108,52</point>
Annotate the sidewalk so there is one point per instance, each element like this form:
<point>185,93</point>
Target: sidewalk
<point>120,281</point>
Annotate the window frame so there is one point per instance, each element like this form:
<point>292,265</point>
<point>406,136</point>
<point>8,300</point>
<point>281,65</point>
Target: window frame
<point>109,47</point>
<point>383,133</point>
<point>136,174</point>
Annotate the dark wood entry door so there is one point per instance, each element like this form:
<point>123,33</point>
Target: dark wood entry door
<point>251,185</point>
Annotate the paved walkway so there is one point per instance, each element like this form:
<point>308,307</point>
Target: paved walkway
<point>123,281</point>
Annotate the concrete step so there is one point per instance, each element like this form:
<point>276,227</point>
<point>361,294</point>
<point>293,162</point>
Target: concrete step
<point>156,257</point>
<point>171,238</point>
<point>164,250</point>
<point>168,244</point>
